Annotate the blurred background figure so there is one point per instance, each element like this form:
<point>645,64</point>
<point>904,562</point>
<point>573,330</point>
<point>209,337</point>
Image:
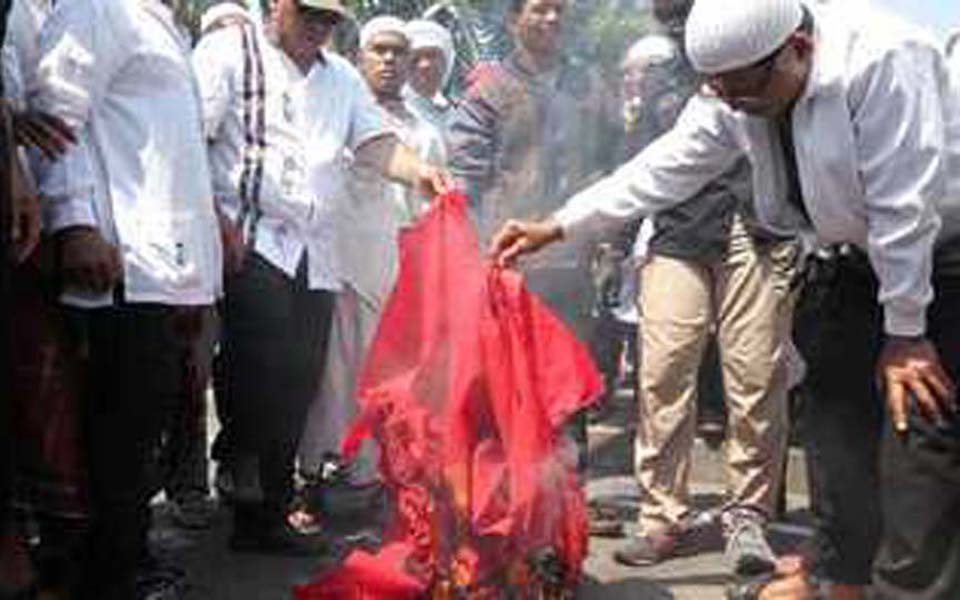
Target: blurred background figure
<point>432,61</point>
<point>529,131</point>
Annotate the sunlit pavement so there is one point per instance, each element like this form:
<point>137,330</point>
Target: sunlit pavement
<point>216,573</point>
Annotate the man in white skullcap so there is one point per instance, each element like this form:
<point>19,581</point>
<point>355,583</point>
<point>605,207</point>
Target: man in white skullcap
<point>432,56</point>
<point>851,128</point>
<point>281,114</point>
<point>369,214</point>
<point>728,275</point>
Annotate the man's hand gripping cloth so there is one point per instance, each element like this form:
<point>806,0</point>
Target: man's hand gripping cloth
<point>466,389</point>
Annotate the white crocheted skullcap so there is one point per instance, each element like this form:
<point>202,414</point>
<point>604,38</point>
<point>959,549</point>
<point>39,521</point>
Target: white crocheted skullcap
<point>723,35</point>
<point>651,50</point>
<point>382,24</point>
<point>424,33</point>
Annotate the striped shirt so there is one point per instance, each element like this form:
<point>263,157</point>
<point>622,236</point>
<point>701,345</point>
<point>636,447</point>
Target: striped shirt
<point>277,139</point>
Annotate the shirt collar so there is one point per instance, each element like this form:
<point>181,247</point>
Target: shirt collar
<point>828,62</point>
<point>271,35</point>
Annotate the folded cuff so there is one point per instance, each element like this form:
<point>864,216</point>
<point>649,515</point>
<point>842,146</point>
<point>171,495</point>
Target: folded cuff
<point>906,322</point>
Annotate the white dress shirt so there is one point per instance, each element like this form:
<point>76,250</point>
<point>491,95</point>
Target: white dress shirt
<point>435,111</point>
<point>118,73</point>
<point>877,140</point>
<point>278,162</point>
<point>371,211</point>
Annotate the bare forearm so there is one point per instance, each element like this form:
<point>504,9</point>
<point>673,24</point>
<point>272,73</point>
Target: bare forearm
<point>392,159</point>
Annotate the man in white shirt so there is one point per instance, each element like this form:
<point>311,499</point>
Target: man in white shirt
<point>279,113</point>
<point>370,213</point>
<point>131,209</point>
<point>853,135</point>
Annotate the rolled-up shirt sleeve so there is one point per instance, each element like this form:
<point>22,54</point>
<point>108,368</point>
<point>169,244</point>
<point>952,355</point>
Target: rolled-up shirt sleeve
<point>214,62</point>
<point>473,138</point>
<point>220,61</point>
<point>367,120</point>
<point>14,88</point>
<point>80,51</point>
<point>673,168</point>
<point>68,189</point>
<point>899,119</point>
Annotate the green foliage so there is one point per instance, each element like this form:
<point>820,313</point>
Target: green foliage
<point>600,31</point>
<point>405,9</point>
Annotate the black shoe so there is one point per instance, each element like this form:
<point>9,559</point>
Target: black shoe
<point>604,521</point>
<point>160,580</point>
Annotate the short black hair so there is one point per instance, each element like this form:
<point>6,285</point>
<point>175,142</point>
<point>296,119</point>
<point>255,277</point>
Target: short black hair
<point>516,6</point>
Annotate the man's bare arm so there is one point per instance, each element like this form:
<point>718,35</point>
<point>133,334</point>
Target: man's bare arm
<point>398,162</point>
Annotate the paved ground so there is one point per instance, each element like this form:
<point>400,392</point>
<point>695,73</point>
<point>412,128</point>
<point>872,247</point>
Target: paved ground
<point>217,574</point>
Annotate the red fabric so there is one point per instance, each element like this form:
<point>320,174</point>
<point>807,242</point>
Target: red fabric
<point>466,388</point>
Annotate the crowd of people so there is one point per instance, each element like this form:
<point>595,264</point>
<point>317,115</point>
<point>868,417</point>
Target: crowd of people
<point>220,213</point>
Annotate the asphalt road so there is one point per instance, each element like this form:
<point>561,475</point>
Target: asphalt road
<point>215,573</point>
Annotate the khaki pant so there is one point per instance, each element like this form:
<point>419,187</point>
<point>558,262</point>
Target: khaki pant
<point>746,296</point>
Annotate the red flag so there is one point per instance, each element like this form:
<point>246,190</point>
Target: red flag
<point>466,389</point>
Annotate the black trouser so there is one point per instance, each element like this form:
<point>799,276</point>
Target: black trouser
<point>136,357</point>
<point>275,343</point>
<point>222,450</point>
<point>843,416</point>
<point>919,557</point>
<point>6,272</point>
<point>6,436</point>
<point>184,468</point>
<point>844,422</point>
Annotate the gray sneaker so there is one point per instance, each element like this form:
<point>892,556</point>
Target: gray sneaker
<point>747,551</point>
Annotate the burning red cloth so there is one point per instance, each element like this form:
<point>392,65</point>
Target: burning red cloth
<point>466,389</point>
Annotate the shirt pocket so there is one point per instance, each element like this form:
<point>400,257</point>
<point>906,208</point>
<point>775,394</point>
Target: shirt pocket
<point>169,258</point>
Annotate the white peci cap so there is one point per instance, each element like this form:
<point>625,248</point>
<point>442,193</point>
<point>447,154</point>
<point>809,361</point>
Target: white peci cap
<point>724,36</point>
<point>382,24</point>
<point>430,34</point>
<point>652,50</point>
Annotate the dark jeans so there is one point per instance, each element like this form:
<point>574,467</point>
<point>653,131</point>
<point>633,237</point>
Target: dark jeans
<point>273,353</point>
<point>903,498</point>
<point>135,367</point>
